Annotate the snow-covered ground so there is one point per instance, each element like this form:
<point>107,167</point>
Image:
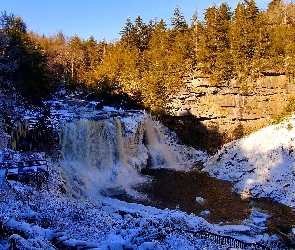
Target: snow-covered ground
<point>49,219</point>
<point>261,164</point>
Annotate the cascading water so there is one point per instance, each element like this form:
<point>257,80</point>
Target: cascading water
<point>109,153</point>
<point>164,152</point>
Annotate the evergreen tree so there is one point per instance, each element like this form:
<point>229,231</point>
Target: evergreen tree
<point>31,77</point>
<point>142,33</point>
<point>178,21</point>
<point>245,42</point>
<point>107,74</point>
<point>154,81</point>
<point>126,29</point>
<point>60,38</point>
<point>288,32</point>
<point>213,51</point>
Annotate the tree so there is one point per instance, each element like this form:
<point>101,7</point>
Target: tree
<point>126,29</point>
<point>178,21</point>
<point>245,39</point>
<point>276,16</point>
<point>213,50</point>
<point>60,38</point>
<point>30,78</point>
<point>154,81</point>
<point>8,60</point>
<point>76,65</point>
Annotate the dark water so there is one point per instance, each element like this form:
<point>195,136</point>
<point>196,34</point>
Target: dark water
<point>171,189</point>
<point>281,220</point>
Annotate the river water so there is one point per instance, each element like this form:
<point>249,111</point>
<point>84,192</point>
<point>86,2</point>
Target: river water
<point>175,189</point>
<point>171,188</point>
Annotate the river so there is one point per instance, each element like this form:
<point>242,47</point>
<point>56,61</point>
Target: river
<point>179,190</point>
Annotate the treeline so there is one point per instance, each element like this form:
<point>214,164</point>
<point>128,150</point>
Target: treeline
<point>147,64</point>
<point>24,74</point>
<point>247,43</point>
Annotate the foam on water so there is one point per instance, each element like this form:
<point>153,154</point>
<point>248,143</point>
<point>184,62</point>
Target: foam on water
<point>109,154</point>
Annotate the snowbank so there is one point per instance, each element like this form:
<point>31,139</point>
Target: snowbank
<point>260,165</point>
<point>48,219</point>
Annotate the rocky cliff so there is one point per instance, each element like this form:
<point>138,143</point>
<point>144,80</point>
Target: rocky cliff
<point>231,110</point>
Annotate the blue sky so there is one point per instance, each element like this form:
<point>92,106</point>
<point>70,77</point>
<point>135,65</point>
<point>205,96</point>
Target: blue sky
<point>103,19</point>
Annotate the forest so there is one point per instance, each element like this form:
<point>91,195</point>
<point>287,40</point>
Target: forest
<point>149,61</point>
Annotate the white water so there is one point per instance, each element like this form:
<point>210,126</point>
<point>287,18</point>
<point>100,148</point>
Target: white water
<point>100,155</point>
<point>164,152</point>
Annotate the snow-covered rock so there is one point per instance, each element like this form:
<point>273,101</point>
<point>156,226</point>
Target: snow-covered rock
<point>205,213</point>
<point>200,200</point>
<point>261,164</point>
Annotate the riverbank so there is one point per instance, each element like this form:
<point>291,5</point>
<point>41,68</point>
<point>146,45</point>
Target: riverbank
<point>261,164</point>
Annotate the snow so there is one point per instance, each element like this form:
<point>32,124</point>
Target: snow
<point>261,164</point>
<point>200,200</point>
<point>48,218</point>
<point>205,213</point>
<point>104,224</point>
<point>112,109</point>
<point>258,221</point>
<point>2,179</point>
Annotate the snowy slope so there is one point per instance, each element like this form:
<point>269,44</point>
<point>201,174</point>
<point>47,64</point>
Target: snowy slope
<point>260,165</point>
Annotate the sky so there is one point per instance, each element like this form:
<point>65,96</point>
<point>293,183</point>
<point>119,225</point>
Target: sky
<point>103,19</point>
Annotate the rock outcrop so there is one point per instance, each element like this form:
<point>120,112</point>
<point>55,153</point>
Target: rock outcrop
<point>230,106</point>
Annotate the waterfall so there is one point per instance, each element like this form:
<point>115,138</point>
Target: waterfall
<point>109,153</point>
<point>164,152</point>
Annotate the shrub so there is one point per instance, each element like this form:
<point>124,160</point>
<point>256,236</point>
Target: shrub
<point>287,111</point>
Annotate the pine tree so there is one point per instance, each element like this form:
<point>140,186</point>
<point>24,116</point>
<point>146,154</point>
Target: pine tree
<point>60,38</point>
<point>178,21</point>
<point>289,28</point>
<point>245,42</point>
<point>213,51</point>
<point>153,85</point>
<point>8,61</point>
<point>126,29</point>
<point>142,33</point>
<point>30,78</point>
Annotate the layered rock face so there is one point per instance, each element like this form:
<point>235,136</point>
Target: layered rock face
<point>230,106</point>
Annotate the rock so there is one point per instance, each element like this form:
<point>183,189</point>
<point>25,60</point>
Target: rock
<point>200,200</point>
<point>205,213</point>
<point>228,107</point>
